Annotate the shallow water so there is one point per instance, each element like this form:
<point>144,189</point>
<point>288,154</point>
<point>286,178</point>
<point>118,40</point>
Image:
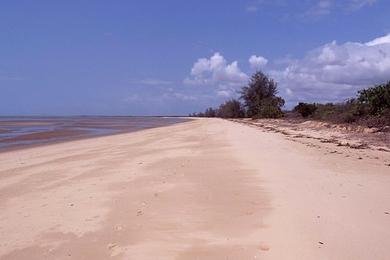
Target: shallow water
<point>18,132</point>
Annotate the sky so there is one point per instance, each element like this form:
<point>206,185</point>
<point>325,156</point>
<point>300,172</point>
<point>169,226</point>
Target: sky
<point>174,57</point>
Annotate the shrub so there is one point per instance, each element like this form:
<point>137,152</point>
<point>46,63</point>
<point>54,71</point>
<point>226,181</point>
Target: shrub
<point>375,100</point>
<point>344,112</point>
<point>231,109</point>
<point>305,109</point>
<point>271,108</point>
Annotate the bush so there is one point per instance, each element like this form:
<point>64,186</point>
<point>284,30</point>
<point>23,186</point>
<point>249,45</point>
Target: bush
<point>344,112</point>
<point>305,109</point>
<point>376,100</point>
<point>260,97</point>
<point>271,108</point>
<point>231,109</point>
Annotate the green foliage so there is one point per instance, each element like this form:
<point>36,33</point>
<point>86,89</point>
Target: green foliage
<point>305,109</point>
<point>344,112</point>
<point>270,108</point>
<point>375,100</point>
<point>260,97</point>
<point>231,109</point>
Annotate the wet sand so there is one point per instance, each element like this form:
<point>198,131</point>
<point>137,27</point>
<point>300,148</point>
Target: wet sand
<point>21,132</point>
<point>204,189</point>
<point>45,135</point>
<point>3,131</point>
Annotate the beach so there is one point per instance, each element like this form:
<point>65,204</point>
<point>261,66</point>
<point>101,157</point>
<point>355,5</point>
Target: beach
<point>200,189</point>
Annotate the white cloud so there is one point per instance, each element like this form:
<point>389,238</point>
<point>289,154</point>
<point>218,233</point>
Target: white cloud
<point>287,9</point>
<point>322,7</point>
<point>224,78</point>
<point>257,62</point>
<point>132,98</point>
<point>289,92</point>
<point>354,5</point>
<point>184,97</point>
<point>225,93</point>
<point>251,8</point>
<point>381,40</point>
<point>216,70</point>
<point>336,71</point>
<point>151,82</point>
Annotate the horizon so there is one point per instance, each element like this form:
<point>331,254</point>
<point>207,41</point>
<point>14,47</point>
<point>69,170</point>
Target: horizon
<point>175,58</point>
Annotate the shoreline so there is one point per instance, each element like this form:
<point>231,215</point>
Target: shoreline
<point>67,134</point>
<point>202,189</point>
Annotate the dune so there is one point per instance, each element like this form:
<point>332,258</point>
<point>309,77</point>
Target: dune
<point>202,189</point>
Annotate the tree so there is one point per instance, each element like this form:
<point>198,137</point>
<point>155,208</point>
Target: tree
<point>210,112</point>
<point>260,97</point>
<point>305,109</point>
<point>231,109</point>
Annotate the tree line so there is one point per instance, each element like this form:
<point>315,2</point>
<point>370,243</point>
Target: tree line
<point>258,99</point>
<point>370,107</point>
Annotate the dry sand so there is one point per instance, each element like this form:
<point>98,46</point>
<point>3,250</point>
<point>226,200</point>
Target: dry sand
<point>205,189</point>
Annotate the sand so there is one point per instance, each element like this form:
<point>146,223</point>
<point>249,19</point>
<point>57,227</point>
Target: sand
<point>205,189</point>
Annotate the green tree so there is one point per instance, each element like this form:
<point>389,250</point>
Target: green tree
<point>260,97</point>
<point>231,109</point>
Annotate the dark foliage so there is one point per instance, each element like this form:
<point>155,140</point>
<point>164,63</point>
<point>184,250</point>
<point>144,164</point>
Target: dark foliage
<point>210,112</point>
<point>231,109</point>
<point>305,109</point>
<point>370,108</point>
<point>375,100</point>
<point>260,98</point>
<point>344,112</point>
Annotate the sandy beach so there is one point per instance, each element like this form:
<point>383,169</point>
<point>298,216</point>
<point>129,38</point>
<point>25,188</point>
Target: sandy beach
<point>202,189</point>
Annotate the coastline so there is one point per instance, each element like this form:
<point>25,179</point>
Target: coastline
<point>52,130</point>
<point>202,189</point>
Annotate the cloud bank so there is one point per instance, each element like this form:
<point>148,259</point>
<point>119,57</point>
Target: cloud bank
<point>257,62</point>
<point>215,71</point>
<point>332,72</point>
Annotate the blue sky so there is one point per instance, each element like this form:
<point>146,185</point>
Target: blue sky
<point>176,57</point>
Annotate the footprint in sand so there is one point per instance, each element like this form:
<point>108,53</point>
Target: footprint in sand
<point>264,247</point>
<point>114,249</point>
<point>118,228</point>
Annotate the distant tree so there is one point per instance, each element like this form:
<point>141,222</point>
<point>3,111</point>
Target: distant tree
<point>210,112</point>
<point>260,97</point>
<point>196,115</point>
<point>305,109</point>
<point>231,109</point>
